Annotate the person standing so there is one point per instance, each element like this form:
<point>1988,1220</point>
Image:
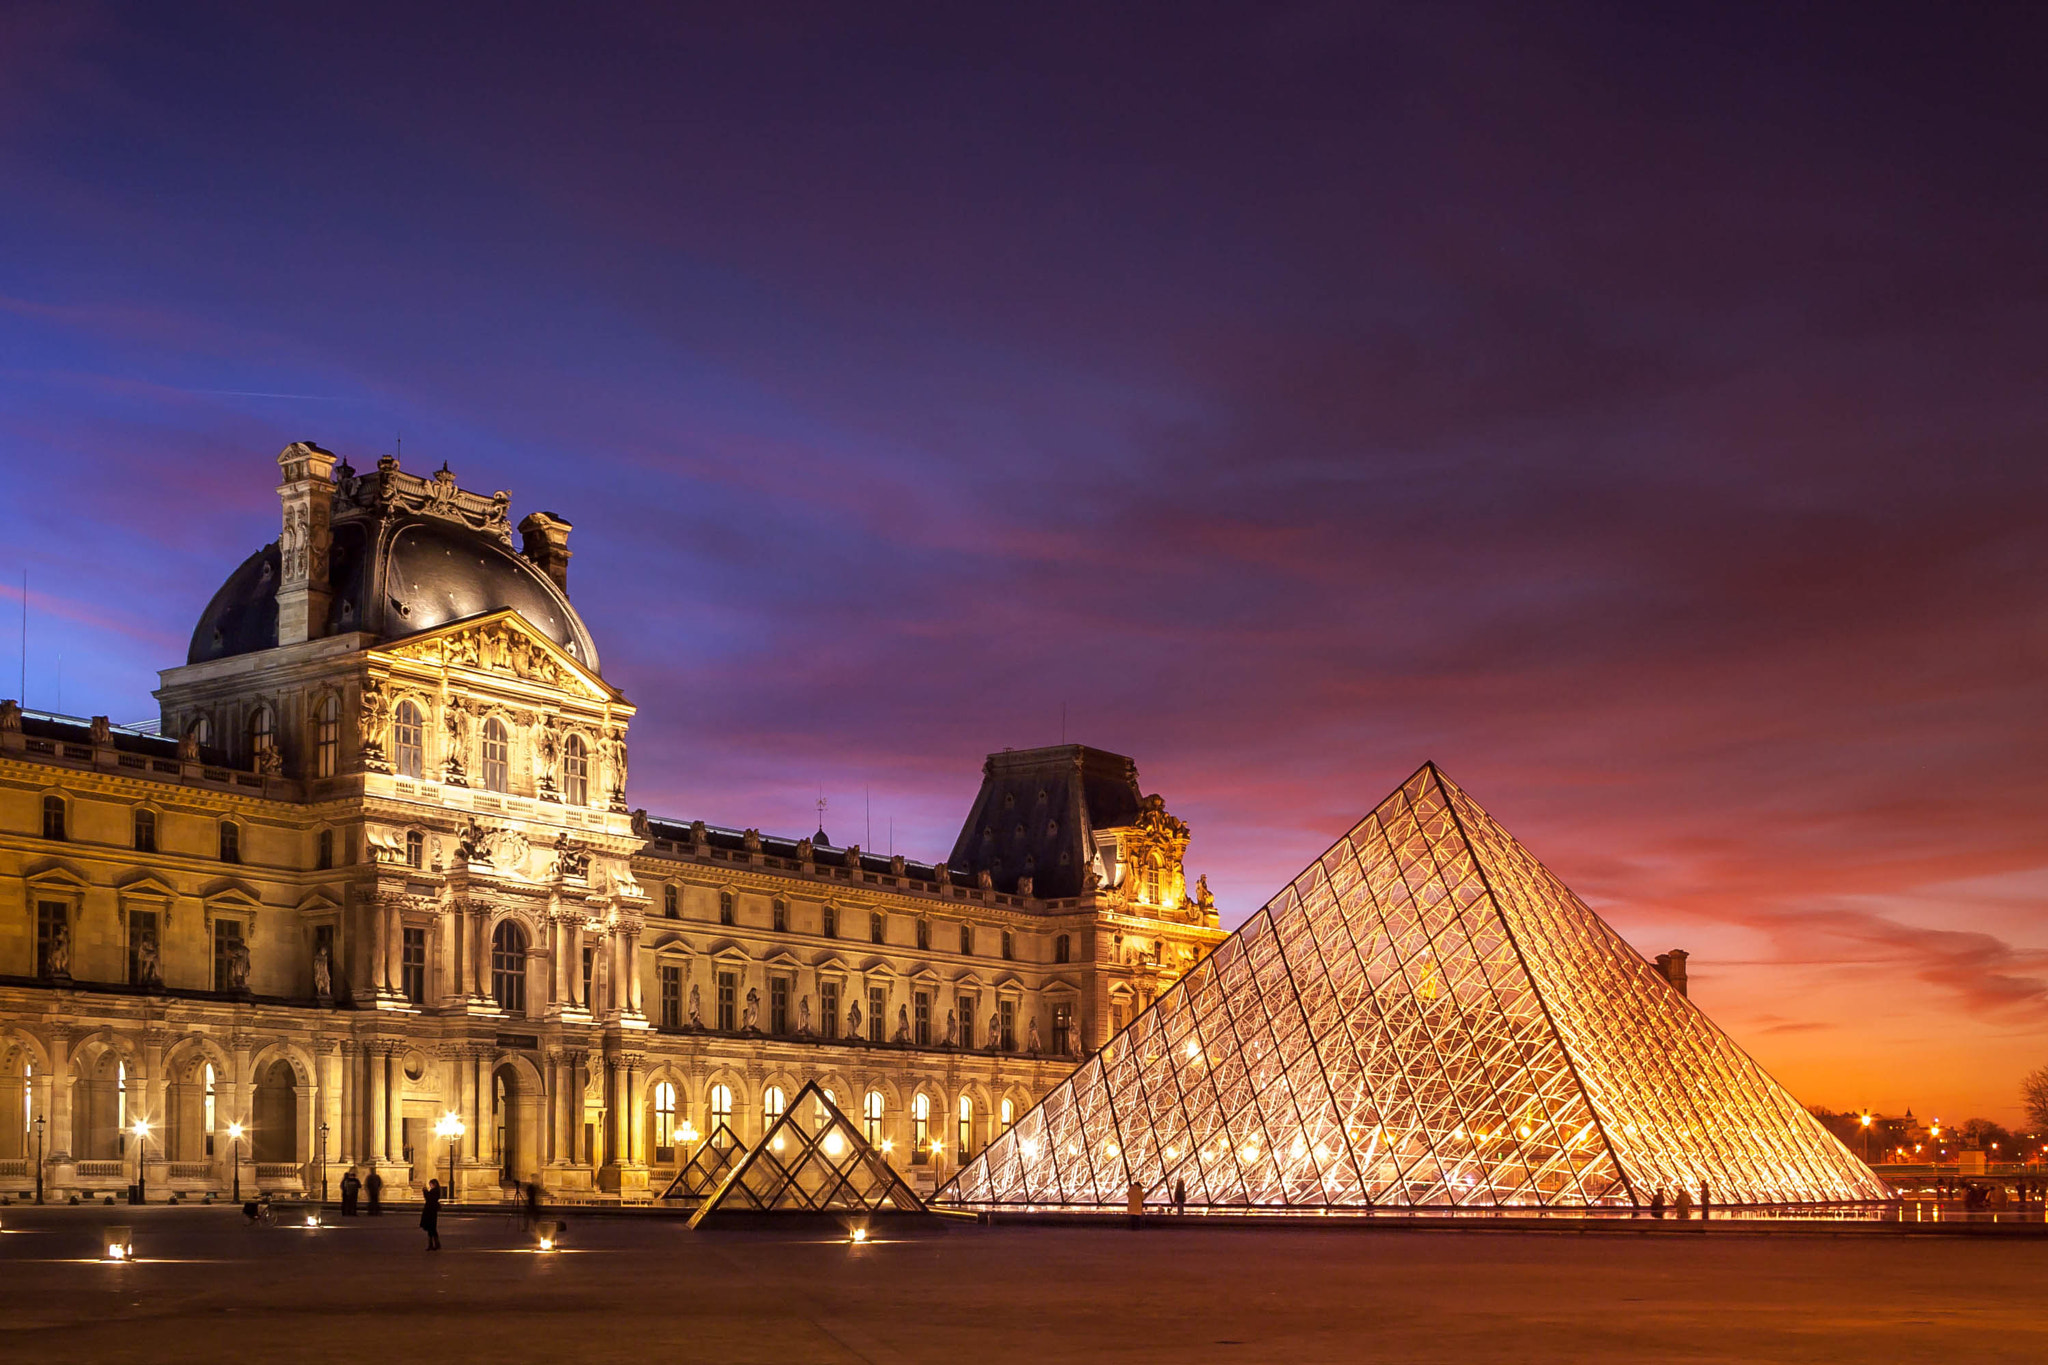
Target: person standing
<point>1657,1203</point>
<point>351,1189</point>
<point>1180,1195</point>
<point>430,1215</point>
<point>532,1192</point>
<point>1682,1204</point>
<point>1134,1201</point>
<point>1705,1203</point>
<point>375,1186</point>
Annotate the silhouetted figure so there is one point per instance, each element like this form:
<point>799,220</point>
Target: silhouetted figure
<point>1705,1203</point>
<point>1657,1203</point>
<point>430,1215</point>
<point>1180,1194</point>
<point>531,1190</point>
<point>351,1191</point>
<point>374,1186</point>
<point>1135,1202</point>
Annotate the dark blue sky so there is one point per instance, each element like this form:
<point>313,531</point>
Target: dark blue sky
<point>1639,413</point>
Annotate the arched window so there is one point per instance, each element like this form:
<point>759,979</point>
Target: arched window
<point>206,1118</point>
<point>327,736</point>
<point>1009,1114</point>
<point>871,1118</point>
<point>832,1099</point>
<point>497,756</point>
<point>200,731</point>
<point>408,741</point>
<point>1063,949</point>
<point>508,967</point>
<point>145,831</point>
<point>575,771</point>
<point>262,734</point>
<point>920,1128</point>
<point>230,842</point>
<point>725,907</point>
<point>721,1107</point>
<point>664,1121</point>
<point>966,1126</point>
<point>773,1103</point>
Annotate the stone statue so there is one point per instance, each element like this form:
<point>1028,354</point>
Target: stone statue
<point>853,1020</point>
<point>700,836</point>
<point>803,1016</point>
<point>547,753</point>
<point>995,1031</point>
<point>852,856</point>
<point>148,965</point>
<point>1202,896</point>
<point>750,840</point>
<point>188,746</point>
<point>238,966</point>
<point>614,752</point>
<point>896,865</point>
<point>986,880</point>
<point>952,1029</point>
<point>750,1017</point>
<point>571,861</point>
<point>373,713</point>
<point>1031,1043</point>
<point>805,851</point>
<point>902,1023</point>
<point>943,875</point>
<point>60,950</point>
<point>1024,885</point>
<point>323,974</point>
<point>10,716</point>
<point>696,1007</point>
<point>269,762</point>
<point>1091,877</point>
<point>101,730</point>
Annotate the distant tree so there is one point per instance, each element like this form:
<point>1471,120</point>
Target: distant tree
<point>1847,1128</point>
<point>1987,1135</point>
<point>2034,1094</point>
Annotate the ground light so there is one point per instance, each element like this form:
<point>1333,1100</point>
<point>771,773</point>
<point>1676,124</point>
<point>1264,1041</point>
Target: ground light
<point>547,1236</point>
<point>118,1244</point>
<point>858,1235</point>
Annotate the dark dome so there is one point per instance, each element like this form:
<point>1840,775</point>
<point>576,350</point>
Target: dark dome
<point>410,575</point>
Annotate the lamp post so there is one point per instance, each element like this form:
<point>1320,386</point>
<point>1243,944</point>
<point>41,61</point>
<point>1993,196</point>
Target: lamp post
<point>39,1158</point>
<point>323,1161</point>
<point>450,1130</point>
<point>235,1132</point>
<point>141,1131</point>
<point>1866,1137</point>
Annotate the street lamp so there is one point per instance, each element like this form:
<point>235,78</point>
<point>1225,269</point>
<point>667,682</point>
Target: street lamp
<point>1866,1136</point>
<point>141,1131</point>
<point>323,1161</point>
<point>39,1158</point>
<point>235,1132</point>
<point>450,1130</point>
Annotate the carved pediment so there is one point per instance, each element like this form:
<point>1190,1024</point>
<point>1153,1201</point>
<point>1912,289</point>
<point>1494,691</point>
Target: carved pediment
<point>501,643</point>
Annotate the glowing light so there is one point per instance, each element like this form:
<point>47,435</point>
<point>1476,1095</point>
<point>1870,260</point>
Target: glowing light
<point>887,1145</point>
<point>547,1244</point>
<point>835,1145</point>
<point>450,1126</point>
<point>860,1235</point>
<point>777,1144</point>
<point>141,1128</point>
<point>312,1220</point>
<point>688,1132</point>
<point>235,1131</point>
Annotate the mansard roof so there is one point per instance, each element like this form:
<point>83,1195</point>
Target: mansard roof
<point>1039,809</point>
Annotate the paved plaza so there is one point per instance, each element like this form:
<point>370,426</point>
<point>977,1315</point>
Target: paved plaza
<point>207,1287</point>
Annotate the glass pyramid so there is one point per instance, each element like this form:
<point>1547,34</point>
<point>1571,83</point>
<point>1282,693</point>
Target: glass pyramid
<point>1426,1017</point>
<point>811,1160</point>
<point>707,1166</point>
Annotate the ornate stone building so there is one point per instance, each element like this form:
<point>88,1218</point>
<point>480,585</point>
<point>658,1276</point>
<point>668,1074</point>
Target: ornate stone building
<point>375,870</point>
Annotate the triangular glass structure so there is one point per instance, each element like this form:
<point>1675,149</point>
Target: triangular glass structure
<point>707,1166</point>
<point>811,1160</point>
<point>1425,1017</point>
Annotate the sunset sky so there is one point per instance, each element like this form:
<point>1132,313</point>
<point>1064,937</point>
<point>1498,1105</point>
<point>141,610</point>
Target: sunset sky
<point>1642,417</point>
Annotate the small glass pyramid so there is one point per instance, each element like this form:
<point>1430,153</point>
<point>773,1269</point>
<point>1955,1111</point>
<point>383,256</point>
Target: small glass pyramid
<point>1426,1017</point>
<point>811,1160</point>
<point>707,1166</point>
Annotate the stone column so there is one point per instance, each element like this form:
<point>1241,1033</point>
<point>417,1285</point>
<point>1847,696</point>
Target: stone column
<point>550,1110</point>
<point>394,941</point>
<point>633,1004</point>
<point>394,1105</point>
<point>575,965</point>
<point>57,1132</point>
<point>327,1056</point>
<point>635,1138</point>
<point>379,1062</point>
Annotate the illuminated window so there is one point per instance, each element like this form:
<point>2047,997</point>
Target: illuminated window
<point>206,1118</point>
<point>920,1129</point>
<point>878,1006</point>
<point>1009,1113</point>
<point>262,734</point>
<point>327,736</point>
<point>966,1128</point>
<point>963,1008</point>
<point>415,848</point>
<point>227,933</point>
<point>575,771</point>
<point>721,1107</point>
<point>408,741</point>
<point>778,1005</point>
<point>871,1118</point>
<point>1009,946</point>
<point>497,756</point>
<point>664,1121</point>
<point>773,1104</point>
<point>728,1001</point>
<point>200,731</point>
<point>141,931</point>
<point>508,967</point>
<point>1007,1011</point>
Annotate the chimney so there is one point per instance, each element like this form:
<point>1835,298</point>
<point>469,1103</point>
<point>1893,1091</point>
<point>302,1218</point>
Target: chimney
<point>545,541</point>
<point>307,495</point>
<point>1672,965</point>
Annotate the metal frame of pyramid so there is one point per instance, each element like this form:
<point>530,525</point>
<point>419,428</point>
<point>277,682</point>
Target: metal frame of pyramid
<point>1426,1017</point>
<point>794,1169</point>
<point>707,1166</point>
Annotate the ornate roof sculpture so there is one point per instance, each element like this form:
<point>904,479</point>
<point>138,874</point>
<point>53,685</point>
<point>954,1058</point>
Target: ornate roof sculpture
<point>707,1167</point>
<point>1426,1017</point>
<point>811,1160</point>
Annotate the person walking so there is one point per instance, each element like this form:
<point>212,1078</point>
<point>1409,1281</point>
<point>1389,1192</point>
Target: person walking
<point>531,1190</point>
<point>1657,1203</point>
<point>1682,1205</point>
<point>351,1190</point>
<point>375,1186</point>
<point>430,1215</point>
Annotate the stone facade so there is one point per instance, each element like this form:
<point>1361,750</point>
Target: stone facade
<point>377,871</point>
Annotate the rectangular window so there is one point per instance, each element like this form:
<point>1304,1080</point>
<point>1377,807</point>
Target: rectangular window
<point>778,1004</point>
<point>145,831</point>
<point>53,817</point>
<point>830,923</point>
<point>828,1000</point>
<point>324,852</point>
<point>671,995</point>
<point>965,1006</point>
<point>921,1021</point>
<point>1062,948</point>
<point>226,934</point>
<point>878,928</point>
<point>50,926</point>
<point>141,930</point>
<point>1009,946</point>
<point>878,1006</point>
<point>1063,1030</point>
<point>589,972</point>
<point>415,848</point>
<point>671,901</point>
<point>781,917</point>
<point>967,939</point>
<point>726,911</point>
<point>1008,1010</point>
<point>413,965</point>
<point>230,842</point>
<point>924,934</point>
<point>728,1001</point>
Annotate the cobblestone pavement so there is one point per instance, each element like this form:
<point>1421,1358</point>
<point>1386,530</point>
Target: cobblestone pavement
<point>207,1287</point>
